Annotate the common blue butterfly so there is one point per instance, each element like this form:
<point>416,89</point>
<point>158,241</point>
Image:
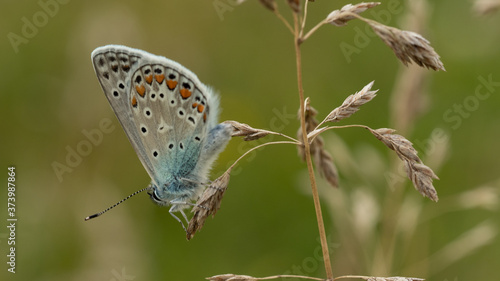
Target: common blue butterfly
<point>170,118</point>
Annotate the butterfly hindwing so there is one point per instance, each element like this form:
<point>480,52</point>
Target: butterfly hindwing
<point>170,114</point>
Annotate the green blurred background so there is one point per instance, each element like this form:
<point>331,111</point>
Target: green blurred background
<point>266,224</point>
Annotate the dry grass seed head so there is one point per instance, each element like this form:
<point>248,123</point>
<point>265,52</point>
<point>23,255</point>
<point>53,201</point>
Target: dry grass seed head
<point>311,123</point>
<point>417,172</point>
<point>408,46</point>
<point>232,277</point>
<point>351,104</point>
<point>244,130</point>
<point>295,5</point>
<point>393,279</point>
<point>269,4</point>
<point>322,159</point>
<point>208,203</point>
<point>327,169</point>
<point>342,16</point>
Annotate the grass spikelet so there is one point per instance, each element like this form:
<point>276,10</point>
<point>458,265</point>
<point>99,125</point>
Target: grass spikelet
<point>408,46</point>
<point>351,104</point>
<point>419,174</point>
<point>342,16</point>
<point>208,204</point>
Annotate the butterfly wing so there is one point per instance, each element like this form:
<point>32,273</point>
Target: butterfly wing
<point>164,109</point>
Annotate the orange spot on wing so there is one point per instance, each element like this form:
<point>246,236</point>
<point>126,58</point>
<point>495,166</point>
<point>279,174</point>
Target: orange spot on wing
<point>149,78</point>
<point>141,90</point>
<point>171,84</point>
<point>159,78</point>
<point>134,102</point>
<point>205,117</point>
<point>185,93</point>
<point>200,108</point>
<point>194,105</point>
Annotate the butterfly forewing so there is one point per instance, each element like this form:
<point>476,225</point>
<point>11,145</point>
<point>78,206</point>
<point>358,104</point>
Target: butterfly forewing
<point>162,107</point>
<point>113,69</point>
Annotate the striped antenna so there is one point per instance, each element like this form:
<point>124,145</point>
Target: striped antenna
<point>102,212</point>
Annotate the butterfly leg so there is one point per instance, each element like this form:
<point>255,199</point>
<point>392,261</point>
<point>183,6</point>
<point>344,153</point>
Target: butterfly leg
<point>184,215</point>
<point>172,213</point>
<point>177,207</point>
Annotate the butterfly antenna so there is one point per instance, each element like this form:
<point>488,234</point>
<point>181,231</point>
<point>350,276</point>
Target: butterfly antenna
<point>104,211</point>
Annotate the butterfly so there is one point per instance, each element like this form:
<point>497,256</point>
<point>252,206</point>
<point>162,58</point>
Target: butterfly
<point>170,118</point>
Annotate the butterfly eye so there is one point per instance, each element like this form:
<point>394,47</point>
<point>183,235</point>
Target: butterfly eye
<point>154,196</point>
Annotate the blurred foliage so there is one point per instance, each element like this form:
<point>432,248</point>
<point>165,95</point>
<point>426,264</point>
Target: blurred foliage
<point>266,224</point>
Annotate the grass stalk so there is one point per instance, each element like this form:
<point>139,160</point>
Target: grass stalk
<point>314,188</point>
